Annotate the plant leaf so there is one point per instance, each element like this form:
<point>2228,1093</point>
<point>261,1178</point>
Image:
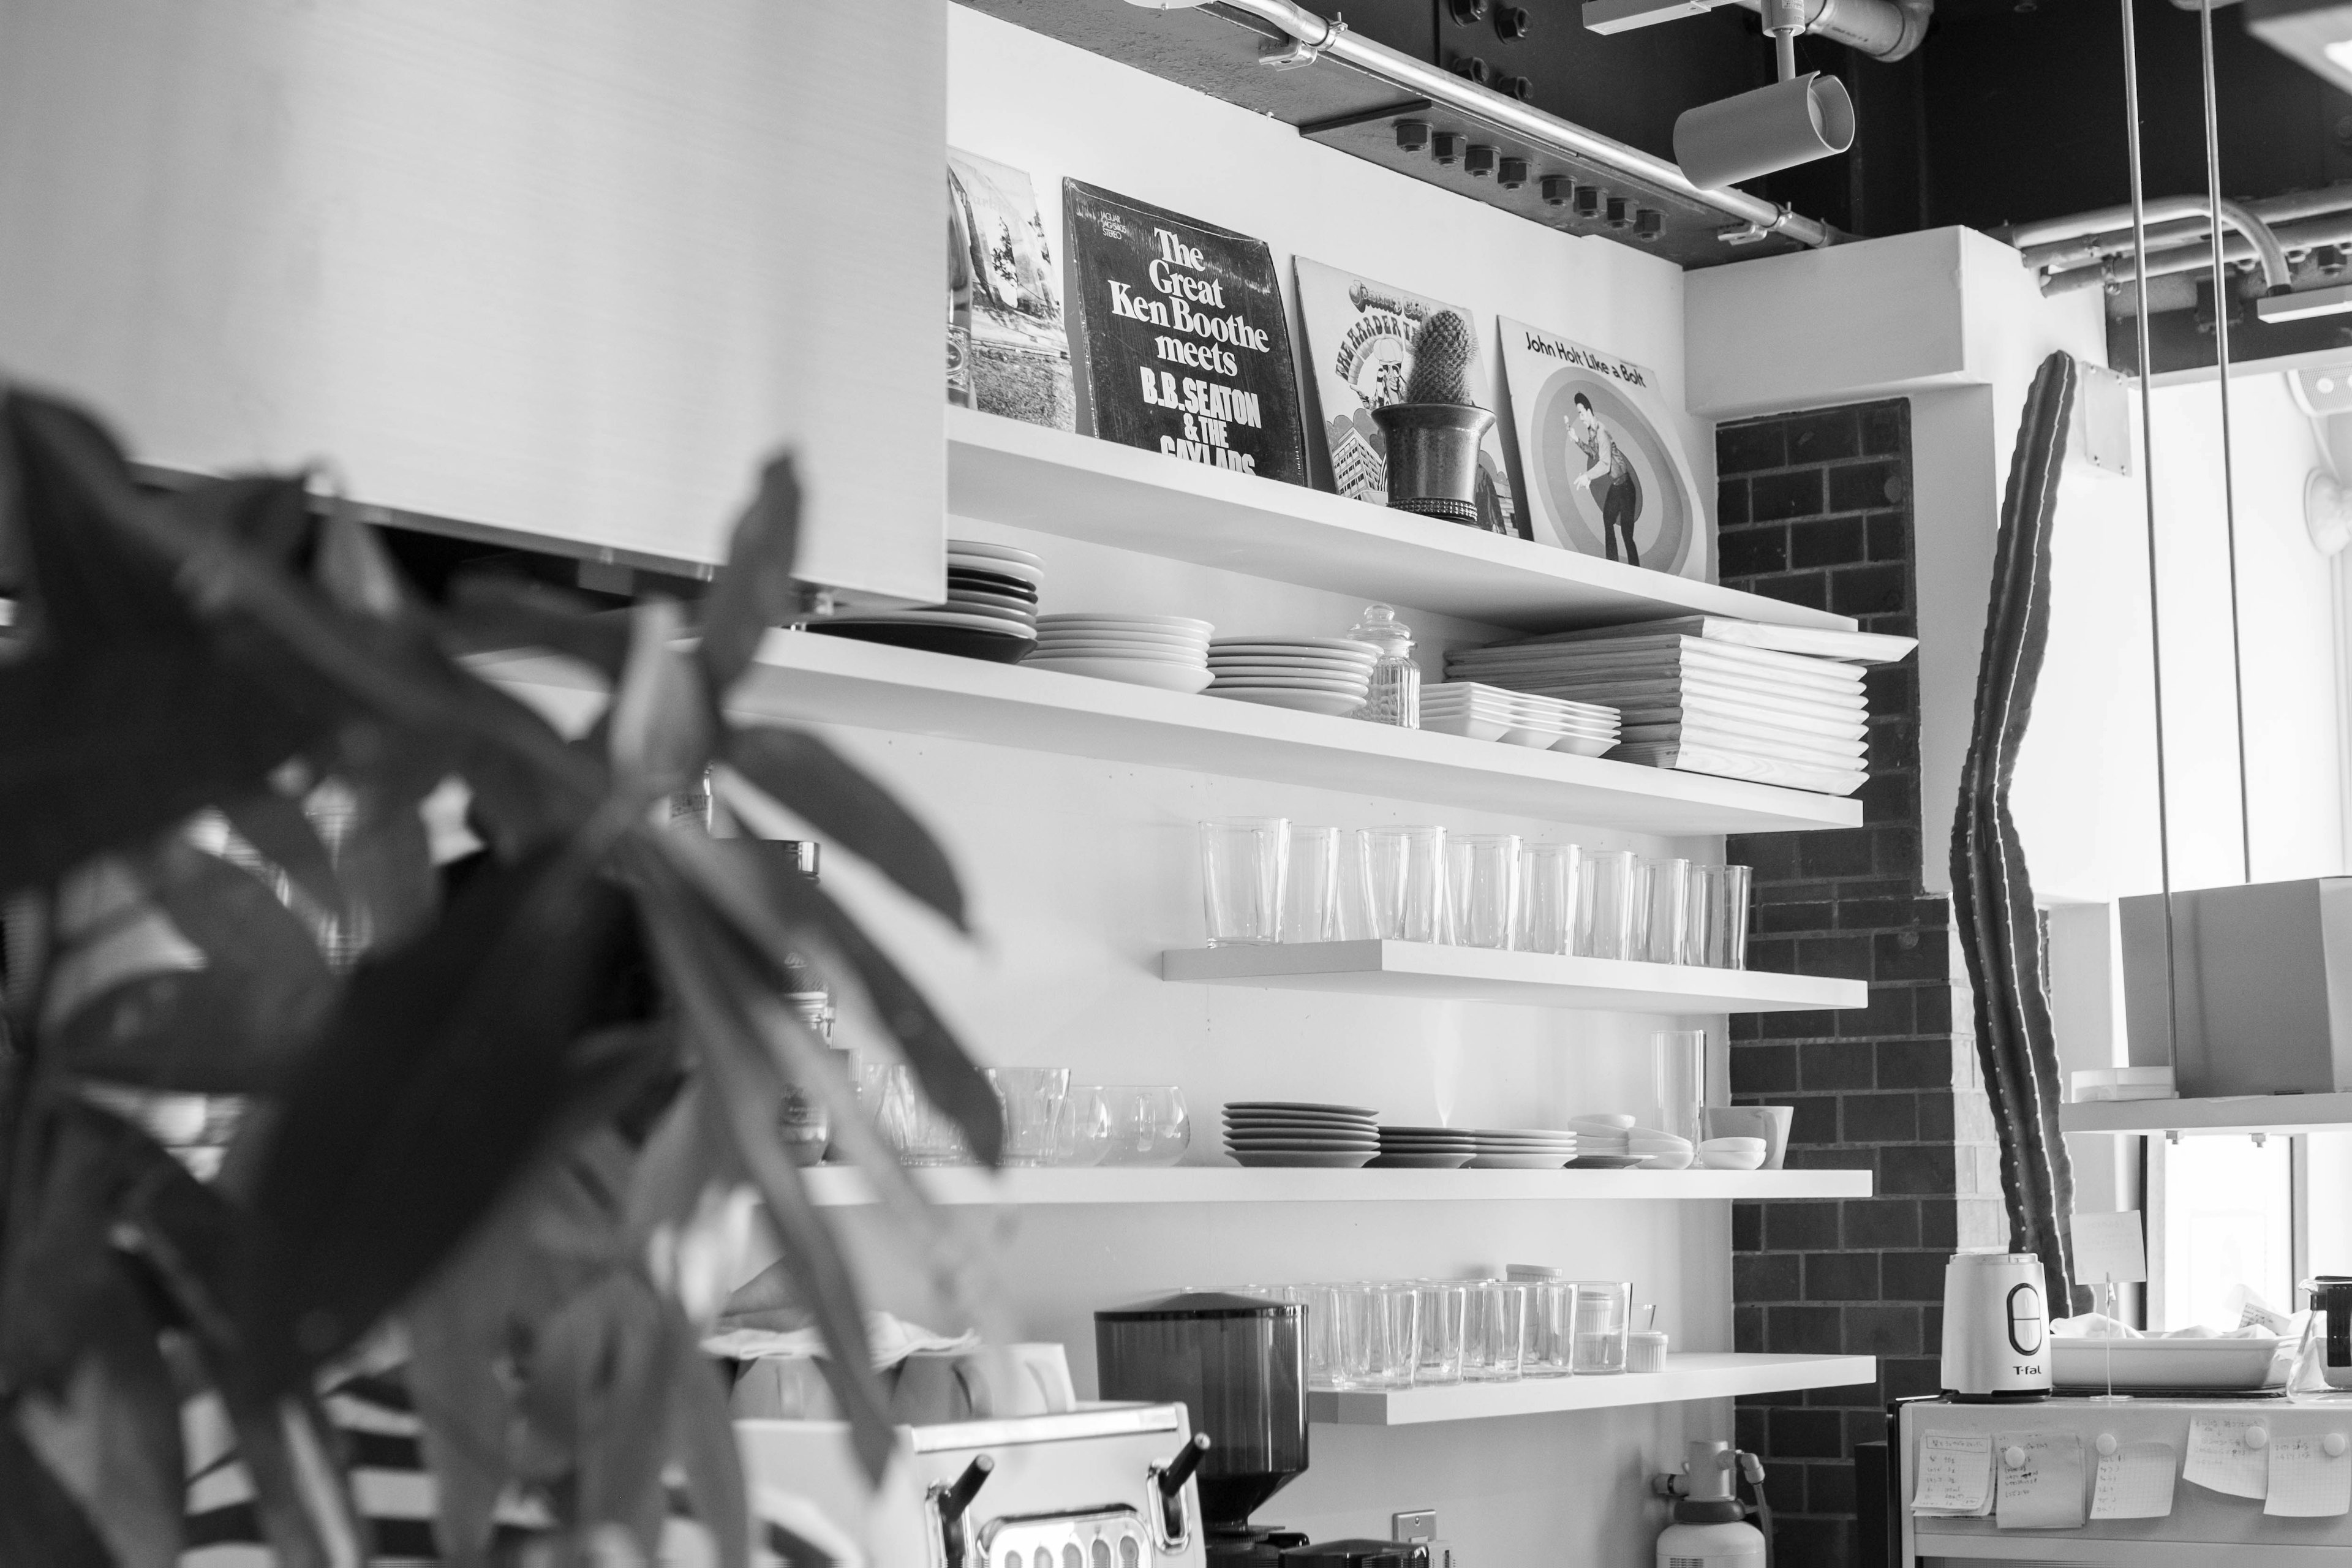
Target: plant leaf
<point>660,718</point>
<point>756,590</point>
<point>489,612</point>
<point>114,1440</point>
<point>275,826</point>
<point>428,1091</point>
<point>40,1525</point>
<point>808,777</point>
<point>128,707</point>
<point>704,1438</point>
<point>57,1266</point>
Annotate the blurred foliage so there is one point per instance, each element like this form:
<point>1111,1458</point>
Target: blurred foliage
<point>505,1107</point>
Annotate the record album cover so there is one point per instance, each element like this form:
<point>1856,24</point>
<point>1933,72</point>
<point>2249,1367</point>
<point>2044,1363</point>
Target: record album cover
<point>1007,351</point>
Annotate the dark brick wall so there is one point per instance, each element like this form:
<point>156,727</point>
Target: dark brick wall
<point>1815,509</point>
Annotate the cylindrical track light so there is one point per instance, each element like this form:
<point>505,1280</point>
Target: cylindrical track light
<point>1777,127</point>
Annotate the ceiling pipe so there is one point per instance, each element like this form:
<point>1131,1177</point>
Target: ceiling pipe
<point>2267,249</point>
<point>2293,238</point>
<point>1311,38</point>
<point>2062,253</point>
<point>1883,29</point>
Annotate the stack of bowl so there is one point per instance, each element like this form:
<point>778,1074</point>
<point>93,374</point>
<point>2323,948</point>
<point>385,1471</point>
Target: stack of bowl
<point>1659,1151</point>
<point>1314,675</point>
<point>1169,652</point>
<point>1601,1143</point>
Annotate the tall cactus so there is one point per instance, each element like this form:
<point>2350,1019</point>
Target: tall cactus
<point>1441,360</point>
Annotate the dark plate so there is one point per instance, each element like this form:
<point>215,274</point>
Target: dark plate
<point>965,643</point>
<point>994,582</point>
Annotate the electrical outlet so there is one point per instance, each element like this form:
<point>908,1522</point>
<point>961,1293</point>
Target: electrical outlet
<point>1414,1524</point>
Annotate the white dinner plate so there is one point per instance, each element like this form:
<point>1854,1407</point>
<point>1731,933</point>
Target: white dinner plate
<point>1582,748</point>
<point>1603,1162</point>
<point>1127,634</point>
<point>1287,683</point>
<point>993,601</point>
<point>1288,661</point>
<point>1336,645</point>
<point>1349,1162</point>
<point>939,618</point>
<point>1184,624</point>
<point>987,552</point>
<point>1128,671</point>
<point>1395,1161</point>
<point>1050,647</point>
<point>1485,1162</point>
<point>1311,1106</point>
<point>1333,704</point>
<point>1019,572</point>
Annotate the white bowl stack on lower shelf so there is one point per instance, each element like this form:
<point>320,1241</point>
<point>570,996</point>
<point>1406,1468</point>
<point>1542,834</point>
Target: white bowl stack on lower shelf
<point>1168,652</point>
<point>1519,718</point>
<point>1314,675</point>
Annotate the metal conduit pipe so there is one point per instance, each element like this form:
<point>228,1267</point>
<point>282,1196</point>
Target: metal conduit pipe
<point>2267,248</point>
<point>2310,235</point>
<point>1883,29</point>
<point>2058,255</point>
<point>1315,38</point>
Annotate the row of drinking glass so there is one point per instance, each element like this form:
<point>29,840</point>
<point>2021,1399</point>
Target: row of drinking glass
<point>1048,1120</point>
<point>1430,1332</point>
<point>1266,881</point>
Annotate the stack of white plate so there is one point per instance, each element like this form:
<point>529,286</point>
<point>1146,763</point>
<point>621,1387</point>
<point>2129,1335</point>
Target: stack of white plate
<point>1519,718</point>
<point>1522,1149</point>
<point>1315,675</point>
<point>1296,1132</point>
<point>1602,1143</point>
<point>1659,1151</point>
<point>1427,1148</point>
<point>991,610</point>
<point>1170,652</point>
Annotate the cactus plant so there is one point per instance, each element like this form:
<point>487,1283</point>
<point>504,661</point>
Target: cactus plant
<point>1441,360</point>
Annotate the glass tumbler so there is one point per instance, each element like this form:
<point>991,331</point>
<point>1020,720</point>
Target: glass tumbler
<point>1548,879</point>
<point>1379,1334</point>
<point>1243,860</point>
<point>1032,1099</point>
<point>1405,870</point>
<point>1310,886</point>
<point>1494,1335</point>
<point>1082,1132</point>
<point>917,1130</point>
<point>1661,893</point>
<point>1322,1305</point>
<point>1482,884</point>
<point>1551,1317</point>
<point>1604,905</point>
<point>1443,1303</point>
<point>1716,922</point>
<point>1678,1079</point>
<point>1598,1341</point>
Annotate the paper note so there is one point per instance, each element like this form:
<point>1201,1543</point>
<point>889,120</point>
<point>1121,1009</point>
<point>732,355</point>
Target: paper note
<point>1954,1475</point>
<point>2038,1481</point>
<point>2221,1460</point>
<point>2135,1482</point>
<point>2108,1248</point>
<point>2306,1480</point>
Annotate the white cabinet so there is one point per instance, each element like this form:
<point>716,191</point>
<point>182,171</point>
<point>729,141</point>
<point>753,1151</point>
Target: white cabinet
<point>564,268</point>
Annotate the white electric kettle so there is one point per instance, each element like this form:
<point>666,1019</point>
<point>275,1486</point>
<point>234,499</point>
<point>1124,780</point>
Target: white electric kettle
<point>1996,1332</point>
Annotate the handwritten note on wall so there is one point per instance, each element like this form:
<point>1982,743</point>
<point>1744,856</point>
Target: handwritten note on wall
<point>1954,1475</point>
<point>2306,1481</point>
<point>2220,1459</point>
<point>2135,1482</point>
<point>2039,1481</point>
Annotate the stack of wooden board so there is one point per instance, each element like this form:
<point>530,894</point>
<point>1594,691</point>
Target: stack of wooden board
<point>1777,704</point>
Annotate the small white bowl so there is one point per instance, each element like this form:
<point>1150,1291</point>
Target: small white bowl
<point>1732,1153</point>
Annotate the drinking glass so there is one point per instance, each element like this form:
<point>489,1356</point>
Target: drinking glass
<point>1598,1341</point>
<point>1082,1132</point>
<point>1482,874</point>
<point>917,1129</point>
<point>1404,869</point>
<point>1678,1077</point>
<point>1604,905</point>
<point>1715,923</point>
<point>1032,1099</point>
<point>1149,1124</point>
<point>1322,1311</point>
<point>1493,1334</point>
<point>1352,913</point>
<point>1552,1316</point>
<point>1548,874</point>
<point>1443,1303</point>
<point>1379,1336</point>
<point>1660,892</point>
<point>1310,886</point>
<point>1242,863</point>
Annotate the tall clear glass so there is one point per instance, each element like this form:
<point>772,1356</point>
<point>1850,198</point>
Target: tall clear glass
<point>1032,1099</point>
<point>1604,905</point>
<point>1310,886</point>
<point>1482,875</point>
<point>1716,922</point>
<point>1405,872</point>
<point>1547,882</point>
<point>1379,1334</point>
<point>1661,892</point>
<point>1443,1303</point>
<point>1243,862</point>
<point>1494,1339</point>
<point>1551,1313</point>
<point>1678,1077</point>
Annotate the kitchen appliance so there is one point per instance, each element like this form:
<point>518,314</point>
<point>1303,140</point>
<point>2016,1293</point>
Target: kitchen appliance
<point>1710,1528</point>
<point>2331,1303</point>
<point>1107,1484</point>
<point>1995,1335</point>
<point>2261,987</point>
<point>1239,1364</point>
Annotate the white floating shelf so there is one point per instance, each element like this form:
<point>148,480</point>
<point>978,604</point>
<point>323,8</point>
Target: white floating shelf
<point>2281,1113</point>
<point>842,1187</point>
<point>1701,1376</point>
<point>1485,974</point>
<point>1027,475</point>
<point>834,680</point>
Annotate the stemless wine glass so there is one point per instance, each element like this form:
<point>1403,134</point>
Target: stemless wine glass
<point>1149,1124</point>
<point>1243,861</point>
<point>1482,873</point>
<point>1661,888</point>
<point>1405,870</point>
<point>1715,923</point>
<point>1548,879</point>
<point>1032,1099</point>
<point>1082,1132</point>
<point>1310,886</point>
<point>1604,905</point>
